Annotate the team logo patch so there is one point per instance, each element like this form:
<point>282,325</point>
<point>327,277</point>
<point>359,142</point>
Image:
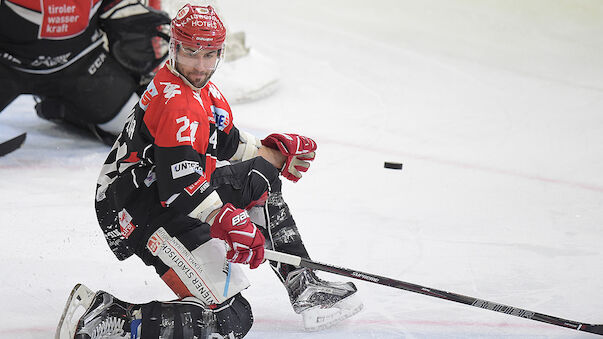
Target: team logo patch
<point>125,223</point>
<point>155,242</point>
<point>181,13</point>
<point>97,63</point>
<point>151,178</point>
<point>185,168</point>
<point>64,19</point>
<point>148,94</point>
<point>170,90</point>
<point>200,185</point>
<point>221,117</point>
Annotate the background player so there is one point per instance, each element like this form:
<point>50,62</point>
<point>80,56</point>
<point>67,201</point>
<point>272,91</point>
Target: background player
<point>55,51</point>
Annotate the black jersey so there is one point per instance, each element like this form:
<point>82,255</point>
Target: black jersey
<point>164,157</point>
<point>45,36</point>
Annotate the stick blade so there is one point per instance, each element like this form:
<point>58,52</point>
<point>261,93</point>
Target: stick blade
<point>12,144</point>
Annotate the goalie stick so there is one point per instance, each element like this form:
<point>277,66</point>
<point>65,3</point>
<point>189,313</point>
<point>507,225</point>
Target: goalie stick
<point>11,145</point>
<point>471,301</point>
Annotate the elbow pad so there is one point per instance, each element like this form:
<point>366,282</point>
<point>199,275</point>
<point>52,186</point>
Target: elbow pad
<point>208,205</point>
<point>248,147</point>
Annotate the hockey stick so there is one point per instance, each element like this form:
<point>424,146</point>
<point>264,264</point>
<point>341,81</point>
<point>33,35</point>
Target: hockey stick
<point>12,144</point>
<point>488,305</point>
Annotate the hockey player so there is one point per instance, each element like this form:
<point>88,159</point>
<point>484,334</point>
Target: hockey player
<point>161,196</point>
<point>54,50</point>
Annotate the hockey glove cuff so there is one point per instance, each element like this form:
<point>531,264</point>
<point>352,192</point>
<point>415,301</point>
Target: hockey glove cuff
<point>245,241</point>
<point>298,149</point>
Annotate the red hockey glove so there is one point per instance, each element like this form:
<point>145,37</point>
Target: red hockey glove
<point>298,149</point>
<point>245,240</point>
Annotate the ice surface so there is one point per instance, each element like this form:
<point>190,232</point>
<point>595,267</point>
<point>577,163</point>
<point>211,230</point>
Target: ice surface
<point>495,109</point>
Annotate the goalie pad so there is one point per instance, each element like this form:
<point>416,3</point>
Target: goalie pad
<point>131,28</point>
<point>202,273</point>
<point>102,315</point>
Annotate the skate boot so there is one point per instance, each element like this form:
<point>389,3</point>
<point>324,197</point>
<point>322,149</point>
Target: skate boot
<point>321,303</point>
<point>109,317</point>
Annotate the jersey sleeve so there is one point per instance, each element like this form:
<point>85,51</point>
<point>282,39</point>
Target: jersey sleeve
<point>228,134</point>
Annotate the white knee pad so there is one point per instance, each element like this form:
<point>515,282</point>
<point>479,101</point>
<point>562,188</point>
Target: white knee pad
<point>204,271</point>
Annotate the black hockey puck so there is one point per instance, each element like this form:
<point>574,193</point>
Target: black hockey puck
<point>393,165</point>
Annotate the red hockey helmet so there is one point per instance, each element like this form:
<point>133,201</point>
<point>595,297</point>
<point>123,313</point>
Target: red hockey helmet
<point>196,43</point>
<point>198,27</point>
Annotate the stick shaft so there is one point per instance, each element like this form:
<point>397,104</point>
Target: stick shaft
<point>471,301</point>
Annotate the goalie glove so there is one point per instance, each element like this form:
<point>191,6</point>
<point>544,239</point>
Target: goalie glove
<point>298,149</point>
<point>245,240</point>
<point>131,28</point>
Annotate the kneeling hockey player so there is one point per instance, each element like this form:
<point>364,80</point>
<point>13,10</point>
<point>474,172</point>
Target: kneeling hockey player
<point>161,196</point>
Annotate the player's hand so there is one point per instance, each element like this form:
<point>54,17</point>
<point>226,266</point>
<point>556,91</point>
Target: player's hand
<point>298,149</point>
<point>245,240</point>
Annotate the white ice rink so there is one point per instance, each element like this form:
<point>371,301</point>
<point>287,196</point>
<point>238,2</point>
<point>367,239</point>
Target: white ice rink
<point>495,107</point>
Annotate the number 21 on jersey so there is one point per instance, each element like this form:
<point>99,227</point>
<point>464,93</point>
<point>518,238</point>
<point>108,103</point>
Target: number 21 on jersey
<point>186,132</point>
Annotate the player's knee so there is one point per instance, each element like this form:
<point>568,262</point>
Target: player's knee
<point>263,177</point>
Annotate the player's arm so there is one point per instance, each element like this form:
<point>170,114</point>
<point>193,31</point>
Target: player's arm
<point>290,153</point>
<point>183,185</point>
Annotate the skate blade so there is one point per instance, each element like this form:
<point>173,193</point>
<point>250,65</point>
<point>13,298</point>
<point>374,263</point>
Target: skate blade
<point>316,318</point>
<point>79,300</point>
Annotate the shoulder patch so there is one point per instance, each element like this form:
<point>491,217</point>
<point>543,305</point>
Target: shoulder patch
<point>221,117</point>
<point>170,90</point>
<point>215,92</point>
<point>148,94</point>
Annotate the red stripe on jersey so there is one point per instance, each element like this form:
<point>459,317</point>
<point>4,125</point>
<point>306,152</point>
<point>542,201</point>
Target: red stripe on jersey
<point>132,158</point>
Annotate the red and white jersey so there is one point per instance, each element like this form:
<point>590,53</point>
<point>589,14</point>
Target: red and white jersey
<point>172,139</point>
<point>45,36</point>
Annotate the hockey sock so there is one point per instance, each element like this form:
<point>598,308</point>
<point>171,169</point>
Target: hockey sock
<point>282,233</point>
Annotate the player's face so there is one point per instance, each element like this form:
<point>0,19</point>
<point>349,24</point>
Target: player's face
<point>196,65</point>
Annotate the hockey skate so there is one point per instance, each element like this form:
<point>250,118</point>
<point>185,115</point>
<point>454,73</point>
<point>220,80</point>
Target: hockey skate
<point>321,303</point>
<point>80,298</point>
<point>90,315</point>
<point>108,317</point>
